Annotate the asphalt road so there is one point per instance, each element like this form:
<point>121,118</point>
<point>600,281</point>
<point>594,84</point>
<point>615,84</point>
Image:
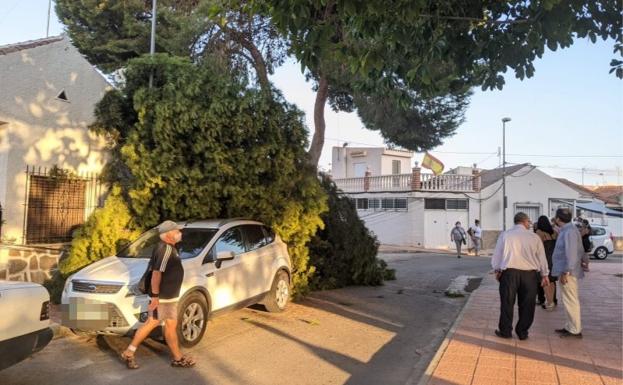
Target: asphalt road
<point>358,335</point>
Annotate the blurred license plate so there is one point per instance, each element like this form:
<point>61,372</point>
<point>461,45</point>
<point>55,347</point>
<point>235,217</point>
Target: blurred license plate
<point>83,313</point>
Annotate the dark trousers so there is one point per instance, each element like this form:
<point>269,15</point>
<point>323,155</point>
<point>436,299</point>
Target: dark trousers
<point>520,284</point>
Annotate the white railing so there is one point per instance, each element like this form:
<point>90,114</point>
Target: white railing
<point>447,182</point>
<point>402,182</point>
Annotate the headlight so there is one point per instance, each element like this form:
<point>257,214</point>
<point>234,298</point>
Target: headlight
<point>67,283</point>
<point>133,290</point>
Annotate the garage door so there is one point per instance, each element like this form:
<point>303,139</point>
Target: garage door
<point>437,227</point>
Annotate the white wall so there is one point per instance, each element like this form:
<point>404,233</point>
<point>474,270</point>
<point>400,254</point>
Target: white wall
<point>377,160</point>
<point>526,187</point>
<point>43,130</point>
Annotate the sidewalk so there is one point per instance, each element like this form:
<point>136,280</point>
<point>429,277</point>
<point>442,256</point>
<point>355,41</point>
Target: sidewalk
<point>389,249</point>
<point>474,355</point>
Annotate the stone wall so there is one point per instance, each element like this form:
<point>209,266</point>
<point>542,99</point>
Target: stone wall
<point>28,263</point>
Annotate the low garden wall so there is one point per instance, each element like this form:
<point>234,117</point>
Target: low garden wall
<point>29,263</point>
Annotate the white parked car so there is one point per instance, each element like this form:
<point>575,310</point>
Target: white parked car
<point>228,264</point>
<point>24,322</point>
<point>602,241</point>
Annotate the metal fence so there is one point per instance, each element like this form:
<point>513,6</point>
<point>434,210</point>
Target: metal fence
<point>57,202</point>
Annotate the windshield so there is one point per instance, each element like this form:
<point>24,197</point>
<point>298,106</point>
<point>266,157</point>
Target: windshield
<point>193,242</point>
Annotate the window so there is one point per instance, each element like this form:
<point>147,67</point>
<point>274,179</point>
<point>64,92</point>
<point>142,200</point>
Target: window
<point>395,167</point>
<point>362,203</point>
<point>456,204</point>
<point>374,203</point>
<point>400,204</point>
<point>254,236</point>
<point>598,231</point>
<point>532,210</point>
<point>142,247</point>
<point>269,234</point>
<point>434,204</point>
<point>231,240</point>
<point>387,203</point>
<point>194,241</point>
<point>445,204</point>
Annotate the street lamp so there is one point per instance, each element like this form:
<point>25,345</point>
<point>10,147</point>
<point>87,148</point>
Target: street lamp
<point>504,121</point>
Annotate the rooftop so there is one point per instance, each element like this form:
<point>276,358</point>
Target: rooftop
<point>16,47</point>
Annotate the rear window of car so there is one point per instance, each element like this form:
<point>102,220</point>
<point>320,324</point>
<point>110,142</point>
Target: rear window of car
<point>598,231</point>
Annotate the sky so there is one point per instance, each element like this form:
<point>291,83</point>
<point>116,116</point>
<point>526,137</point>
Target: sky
<point>566,118</point>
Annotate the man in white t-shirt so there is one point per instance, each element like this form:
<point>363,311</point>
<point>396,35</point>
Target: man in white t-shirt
<point>475,233</point>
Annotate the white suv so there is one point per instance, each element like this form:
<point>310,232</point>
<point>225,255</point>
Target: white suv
<point>228,265</point>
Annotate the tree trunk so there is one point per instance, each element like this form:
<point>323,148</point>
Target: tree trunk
<point>319,124</point>
<point>259,64</point>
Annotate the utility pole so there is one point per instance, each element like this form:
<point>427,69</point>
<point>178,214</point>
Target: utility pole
<point>47,28</point>
<point>152,46</point>
<point>504,121</point>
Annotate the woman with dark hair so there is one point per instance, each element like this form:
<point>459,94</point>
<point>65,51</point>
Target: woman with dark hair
<point>545,231</point>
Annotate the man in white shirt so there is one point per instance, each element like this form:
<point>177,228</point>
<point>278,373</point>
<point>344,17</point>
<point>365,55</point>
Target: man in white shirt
<point>519,255</point>
<point>475,233</point>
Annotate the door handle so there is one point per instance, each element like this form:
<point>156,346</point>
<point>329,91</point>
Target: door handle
<point>209,274</point>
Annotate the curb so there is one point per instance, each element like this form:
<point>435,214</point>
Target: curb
<point>444,344</point>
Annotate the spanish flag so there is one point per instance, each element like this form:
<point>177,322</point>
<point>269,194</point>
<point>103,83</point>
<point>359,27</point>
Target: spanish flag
<point>432,163</point>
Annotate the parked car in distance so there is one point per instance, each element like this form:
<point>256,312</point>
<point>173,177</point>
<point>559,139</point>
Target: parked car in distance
<point>228,264</point>
<point>24,322</point>
<point>602,241</point>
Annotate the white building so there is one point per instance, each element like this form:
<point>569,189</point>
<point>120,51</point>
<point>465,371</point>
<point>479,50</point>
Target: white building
<point>419,210</point>
<point>49,91</point>
<point>353,162</point>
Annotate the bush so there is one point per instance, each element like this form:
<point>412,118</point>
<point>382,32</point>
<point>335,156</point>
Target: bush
<point>102,234</point>
<point>344,252</point>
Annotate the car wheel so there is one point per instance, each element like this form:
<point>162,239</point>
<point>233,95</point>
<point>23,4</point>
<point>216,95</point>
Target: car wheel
<point>601,253</point>
<point>192,319</point>
<point>277,299</point>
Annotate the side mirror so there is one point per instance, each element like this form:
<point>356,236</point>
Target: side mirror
<point>223,256</point>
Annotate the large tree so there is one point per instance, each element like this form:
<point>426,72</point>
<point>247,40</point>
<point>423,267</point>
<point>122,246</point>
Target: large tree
<point>412,60</point>
<point>425,51</point>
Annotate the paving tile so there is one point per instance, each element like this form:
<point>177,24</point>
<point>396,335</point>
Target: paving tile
<point>450,379</point>
<point>494,371</point>
<point>502,363</point>
<point>482,380</point>
<point>546,376</point>
<point>454,367</point>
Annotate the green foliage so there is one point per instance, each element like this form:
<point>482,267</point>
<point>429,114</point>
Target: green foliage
<point>101,236</point>
<point>201,144</point>
<point>344,252</point>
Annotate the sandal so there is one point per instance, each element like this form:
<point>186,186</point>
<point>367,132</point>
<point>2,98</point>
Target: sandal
<point>130,361</point>
<point>184,362</point>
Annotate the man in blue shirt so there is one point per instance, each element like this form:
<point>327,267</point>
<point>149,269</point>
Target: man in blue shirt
<point>567,265</point>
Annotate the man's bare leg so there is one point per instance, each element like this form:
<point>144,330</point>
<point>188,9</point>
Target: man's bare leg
<point>170,335</point>
<point>140,336</point>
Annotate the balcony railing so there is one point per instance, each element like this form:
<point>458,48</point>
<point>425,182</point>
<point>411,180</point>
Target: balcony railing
<point>403,182</point>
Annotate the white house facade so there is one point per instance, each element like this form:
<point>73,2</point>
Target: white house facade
<point>418,210</point>
<point>49,91</point>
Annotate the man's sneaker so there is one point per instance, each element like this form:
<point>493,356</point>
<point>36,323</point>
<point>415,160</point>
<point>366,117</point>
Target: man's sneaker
<point>549,307</point>
<point>569,334</point>
<point>561,331</point>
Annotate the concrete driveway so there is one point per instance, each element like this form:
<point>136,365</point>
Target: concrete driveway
<point>357,335</point>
